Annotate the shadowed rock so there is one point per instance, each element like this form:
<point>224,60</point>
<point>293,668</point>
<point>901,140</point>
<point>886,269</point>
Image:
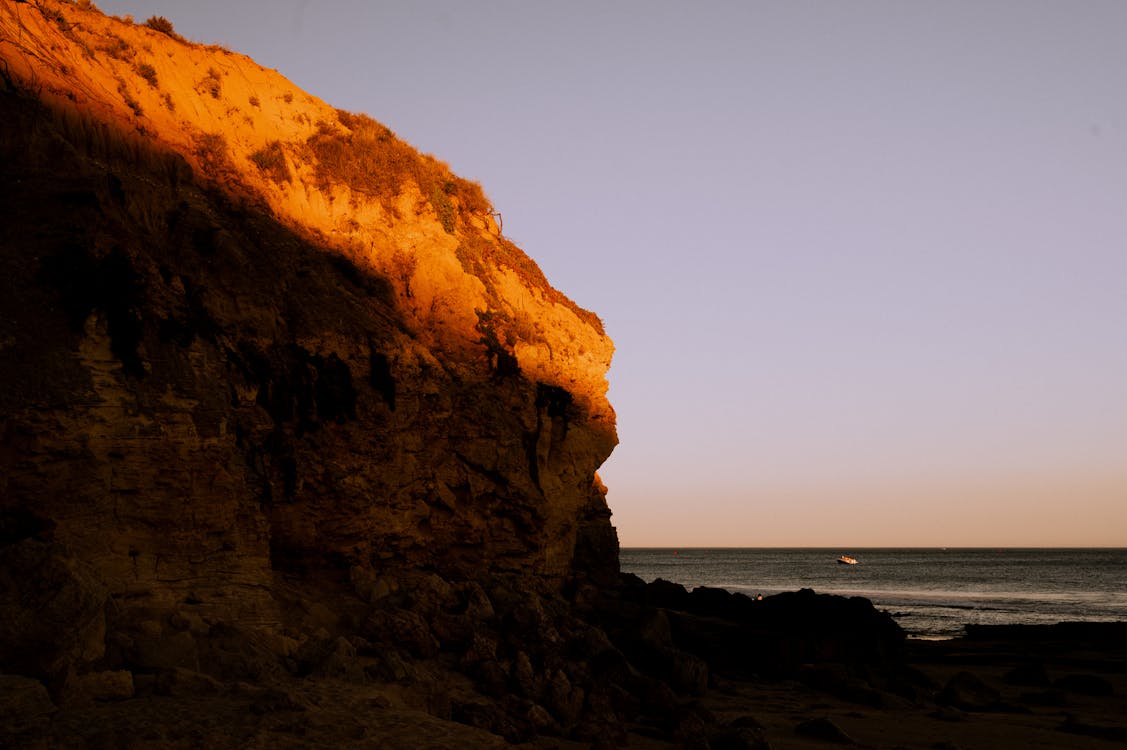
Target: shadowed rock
<point>740,636</point>
<point>823,729</point>
<point>969,693</point>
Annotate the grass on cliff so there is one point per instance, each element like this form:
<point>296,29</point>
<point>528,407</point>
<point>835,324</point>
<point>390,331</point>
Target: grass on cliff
<point>477,253</point>
<point>271,161</point>
<point>367,157</point>
<point>211,150</point>
<point>164,26</point>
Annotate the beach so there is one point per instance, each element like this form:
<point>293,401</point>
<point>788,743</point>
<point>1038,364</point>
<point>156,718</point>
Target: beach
<point>1025,683</point>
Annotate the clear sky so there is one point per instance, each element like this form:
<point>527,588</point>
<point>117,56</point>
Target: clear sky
<point>865,263</point>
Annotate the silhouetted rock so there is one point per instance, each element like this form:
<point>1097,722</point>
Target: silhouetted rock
<point>823,729</point>
<point>740,636</point>
<point>969,693</point>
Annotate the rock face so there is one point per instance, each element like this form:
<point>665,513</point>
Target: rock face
<point>265,369</point>
<point>245,334</point>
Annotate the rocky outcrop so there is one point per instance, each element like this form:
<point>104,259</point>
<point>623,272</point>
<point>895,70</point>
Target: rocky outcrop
<point>279,398</point>
<point>209,384</point>
<point>739,637</point>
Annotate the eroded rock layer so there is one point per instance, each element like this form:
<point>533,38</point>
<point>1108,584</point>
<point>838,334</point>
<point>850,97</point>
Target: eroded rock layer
<point>231,356</point>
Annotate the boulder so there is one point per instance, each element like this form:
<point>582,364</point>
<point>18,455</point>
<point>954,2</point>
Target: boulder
<point>403,628</point>
<point>327,656</point>
<point>234,652</point>
<point>52,609</point>
<point>25,706</point>
<point>969,693</point>
<point>739,637</point>
<point>823,729</point>
<point>180,682</point>
<point>114,685</point>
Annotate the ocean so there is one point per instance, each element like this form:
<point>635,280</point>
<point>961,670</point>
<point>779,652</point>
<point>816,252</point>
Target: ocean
<point>932,593</point>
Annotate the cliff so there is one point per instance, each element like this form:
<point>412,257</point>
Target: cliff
<point>256,349</point>
<point>244,332</point>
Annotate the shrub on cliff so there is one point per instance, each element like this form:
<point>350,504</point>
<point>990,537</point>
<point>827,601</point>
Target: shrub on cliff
<point>211,150</point>
<point>367,157</point>
<point>271,161</point>
<point>164,26</point>
<point>361,153</point>
<point>117,48</point>
<point>149,73</point>
<point>476,254</point>
<point>212,83</point>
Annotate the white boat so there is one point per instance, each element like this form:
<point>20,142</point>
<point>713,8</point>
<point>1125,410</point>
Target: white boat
<point>847,560</point>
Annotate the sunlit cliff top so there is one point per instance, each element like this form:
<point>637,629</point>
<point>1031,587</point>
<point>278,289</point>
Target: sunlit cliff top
<point>342,179</point>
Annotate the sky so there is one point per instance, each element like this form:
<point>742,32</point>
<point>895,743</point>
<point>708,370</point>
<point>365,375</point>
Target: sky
<point>864,263</point>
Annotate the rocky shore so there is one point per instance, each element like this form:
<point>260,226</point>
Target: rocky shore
<point>428,663</point>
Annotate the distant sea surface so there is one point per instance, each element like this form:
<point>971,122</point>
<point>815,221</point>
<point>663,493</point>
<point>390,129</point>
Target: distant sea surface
<point>932,593</point>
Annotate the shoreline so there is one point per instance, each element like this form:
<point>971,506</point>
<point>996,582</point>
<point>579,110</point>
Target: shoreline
<point>705,669</point>
<point>930,592</point>
<point>996,686</point>
<point>1019,620</point>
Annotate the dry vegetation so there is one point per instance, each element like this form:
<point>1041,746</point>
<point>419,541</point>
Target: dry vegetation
<point>149,73</point>
<point>212,84</point>
<point>117,48</point>
<point>477,254</point>
<point>211,150</point>
<point>361,153</point>
<point>271,161</point>
<point>164,26</point>
<point>130,102</point>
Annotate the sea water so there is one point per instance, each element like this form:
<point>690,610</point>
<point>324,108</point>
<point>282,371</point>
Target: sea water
<point>932,593</point>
